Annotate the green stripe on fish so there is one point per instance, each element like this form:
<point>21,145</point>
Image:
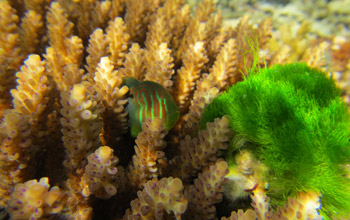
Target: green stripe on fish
<point>149,100</point>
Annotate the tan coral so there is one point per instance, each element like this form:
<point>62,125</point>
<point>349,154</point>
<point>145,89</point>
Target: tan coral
<point>177,15</point>
<point>31,95</point>
<point>134,20</point>
<point>241,215</point>
<point>157,197</point>
<point>35,200</point>
<point>100,173</point>
<point>145,39</point>
<point>134,63</point>
<point>64,55</point>
<point>304,206</point>
<point>77,205</point>
<point>210,84</point>
<point>179,22</point>
<point>340,54</point>
<point>39,6</point>
<point>9,51</point>
<point>193,60</point>
<point>8,36</point>
<point>260,203</point>
<point>101,13</point>
<point>118,40</point>
<point>264,32</point>
<point>196,153</point>
<point>280,56</point>
<point>218,41</point>
<point>31,29</point>
<point>316,56</point>
<point>246,175</point>
<point>97,48</point>
<point>197,29</point>
<point>59,27</point>
<point>109,85</point>
<point>90,15</point>
<point>149,159</point>
<point>15,152</point>
<point>117,8</point>
<point>206,191</point>
<point>224,66</point>
<point>81,126</point>
<point>159,65</point>
<point>158,32</point>
<point>227,67</point>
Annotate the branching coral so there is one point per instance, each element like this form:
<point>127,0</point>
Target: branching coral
<point>80,125</point>
<point>70,100</point>
<point>34,200</point>
<point>15,152</point>
<point>157,197</point>
<point>101,173</point>
<point>109,85</point>
<point>30,97</point>
<point>9,51</point>
<point>149,159</point>
<point>303,206</point>
<point>206,191</point>
<point>193,60</point>
<point>197,152</point>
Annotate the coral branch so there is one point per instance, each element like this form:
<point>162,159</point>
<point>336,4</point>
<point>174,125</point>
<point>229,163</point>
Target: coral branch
<point>31,29</point>
<point>101,174</point>
<point>64,56</point>
<point>197,153</point>
<point>109,85</point>
<point>81,126</point>
<point>149,159</point>
<point>59,27</point>
<point>31,95</point>
<point>9,51</point>
<point>134,63</point>
<point>206,191</point>
<point>157,197</point>
<point>15,152</point>
<point>241,215</point>
<point>304,206</point>
<point>159,65</point>
<point>118,40</point>
<point>97,48</point>
<point>193,60</point>
<point>34,200</point>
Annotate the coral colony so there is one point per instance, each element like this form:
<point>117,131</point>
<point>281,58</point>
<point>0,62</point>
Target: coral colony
<point>144,109</point>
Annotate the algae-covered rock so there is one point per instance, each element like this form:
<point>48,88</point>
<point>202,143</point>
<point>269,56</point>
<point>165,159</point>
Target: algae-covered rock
<point>293,120</point>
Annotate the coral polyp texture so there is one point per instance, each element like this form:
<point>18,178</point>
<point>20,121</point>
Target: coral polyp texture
<point>78,140</point>
<point>33,200</point>
<point>292,120</point>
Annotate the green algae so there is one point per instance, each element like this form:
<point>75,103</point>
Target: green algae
<point>296,123</point>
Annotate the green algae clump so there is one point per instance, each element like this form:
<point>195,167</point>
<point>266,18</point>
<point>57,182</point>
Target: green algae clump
<point>295,122</point>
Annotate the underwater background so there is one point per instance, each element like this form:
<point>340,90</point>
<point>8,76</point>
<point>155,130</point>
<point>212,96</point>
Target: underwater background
<point>299,25</point>
<point>174,109</point>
